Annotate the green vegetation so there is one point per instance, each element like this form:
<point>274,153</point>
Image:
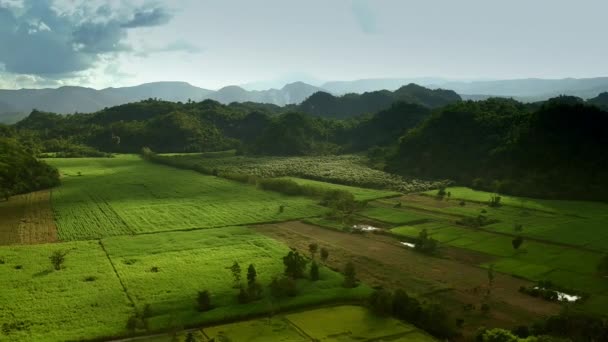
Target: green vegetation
<point>124,195</point>
<point>41,304</point>
<point>20,172</point>
<point>206,256</point>
<point>555,150</point>
<point>393,216</point>
<point>345,169</point>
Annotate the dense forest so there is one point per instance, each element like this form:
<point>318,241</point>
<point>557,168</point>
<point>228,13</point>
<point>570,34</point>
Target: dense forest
<point>553,149</point>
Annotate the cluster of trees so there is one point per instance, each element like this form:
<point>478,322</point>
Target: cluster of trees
<point>551,150</point>
<point>21,172</point>
<point>432,318</point>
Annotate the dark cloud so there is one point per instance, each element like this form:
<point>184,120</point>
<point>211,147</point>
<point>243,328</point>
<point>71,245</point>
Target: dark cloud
<point>153,17</point>
<point>39,41</point>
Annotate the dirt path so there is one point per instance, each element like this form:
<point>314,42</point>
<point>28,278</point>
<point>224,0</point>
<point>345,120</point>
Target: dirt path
<point>380,260</point>
<point>27,219</point>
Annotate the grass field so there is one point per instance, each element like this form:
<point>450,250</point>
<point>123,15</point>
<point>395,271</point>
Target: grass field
<point>188,262</point>
<point>82,300</point>
<point>103,197</point>
<point>392,216</point>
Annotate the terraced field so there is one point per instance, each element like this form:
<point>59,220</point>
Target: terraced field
<point>103,197</point>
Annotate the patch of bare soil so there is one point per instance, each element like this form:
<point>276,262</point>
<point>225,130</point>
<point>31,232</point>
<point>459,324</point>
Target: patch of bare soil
<point>27,219</point>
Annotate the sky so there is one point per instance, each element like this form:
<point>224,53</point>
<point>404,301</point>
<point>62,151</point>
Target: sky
<point>112,43</point>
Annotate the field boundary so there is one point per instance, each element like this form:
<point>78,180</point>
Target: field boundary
<point>124,288</point>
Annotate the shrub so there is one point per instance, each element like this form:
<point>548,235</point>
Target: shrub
<point>203,301</point>
<point>381,302</point>
<point>494,201</point>
<point>350,275</point>
<point>283,287</point>
<point>314,271</point>
<point>324,254</point>
<point>517,242</point>
<point>57,259</point>
<point>284,186</point>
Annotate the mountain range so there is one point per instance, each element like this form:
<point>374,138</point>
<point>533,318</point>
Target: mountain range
<point>16,104</point>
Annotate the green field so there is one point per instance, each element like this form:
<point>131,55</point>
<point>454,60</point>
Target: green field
<point>103,197</point>
<point>392,216</point>
<point>83,300</point>
<point>558,245</point>
<point>188,262</point>
<point>332,324</point>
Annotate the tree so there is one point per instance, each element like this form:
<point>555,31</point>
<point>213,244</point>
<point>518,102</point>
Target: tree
<point>57,259</point>
<point>251,275</point>
<point>602,267</point>
<point>490,279</point>
<point>342,204</point>
<point>312,248</point>
<point>243,296</point>
<point>295,264</point>
<point>203,301</point>
<point>425,243</point>
<point>283,287</point>
<point>494,201</point>
<point>405,307</point>
<point>314,271</point>
<point>441,192</point>
<point>236,274</point>
<point>350,275</point>
<point>381,302</point>
<point>324,254</point>
<point>190,337</point>
<point>517,242</point>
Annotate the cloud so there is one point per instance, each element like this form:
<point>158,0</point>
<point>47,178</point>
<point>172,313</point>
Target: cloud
<point>36,38</point>
<point>152,17</point>
<point>364,16</point>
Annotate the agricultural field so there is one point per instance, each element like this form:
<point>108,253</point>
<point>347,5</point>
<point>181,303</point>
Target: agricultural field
<point>27,219</point>
<point>558,245</point>
<point>167,270</point>
<point>40,303</point>
<point>103,197</point>
<point>343,169</point>
<point>340,323</point>
<point>361,194</point>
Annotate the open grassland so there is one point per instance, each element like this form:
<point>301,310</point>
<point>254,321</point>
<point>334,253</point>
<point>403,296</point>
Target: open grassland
<point>83,300</point>
<point>103,197</point>
<point>27,219</point>
<point>167,270</point>
<point>343,169</point>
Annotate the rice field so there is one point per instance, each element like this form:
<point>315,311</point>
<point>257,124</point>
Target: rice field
<point>27,219</point>
<point>103,197</point>
<point>361,194</point>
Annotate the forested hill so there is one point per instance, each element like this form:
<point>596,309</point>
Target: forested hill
<point>326,105</point>
<point>555,151</point>
<point>210,126</point>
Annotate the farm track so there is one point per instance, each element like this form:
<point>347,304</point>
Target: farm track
<point>380,261</point>
<point>122,284</point>
<point>489,231</point>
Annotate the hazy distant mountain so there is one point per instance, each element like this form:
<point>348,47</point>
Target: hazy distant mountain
<point>373,84</point>
<point>349,105</point>
<point>66,100</point>
<point>528,90</point>
<point>292,93</point>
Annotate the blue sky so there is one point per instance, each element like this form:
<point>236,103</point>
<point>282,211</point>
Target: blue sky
<point>49,43</point>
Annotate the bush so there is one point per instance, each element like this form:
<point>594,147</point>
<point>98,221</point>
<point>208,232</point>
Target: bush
<point>381,302</point>
<point>203,301</point>
<point>283,287</point>
<point>57,259</point>
<point>314,271</point>
<point>284,186</point>
<point>350,275</point>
